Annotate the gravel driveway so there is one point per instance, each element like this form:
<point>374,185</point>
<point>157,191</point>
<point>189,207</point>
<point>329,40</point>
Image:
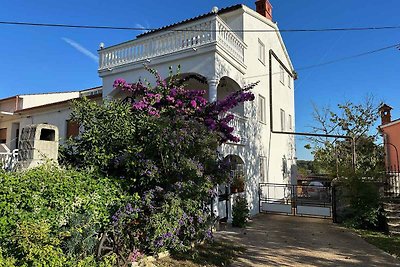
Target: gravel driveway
<point>275,240</point>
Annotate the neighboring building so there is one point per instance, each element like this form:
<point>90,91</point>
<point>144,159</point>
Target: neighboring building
<point>391,138</point>
<point>50,108</point>
<point>215,58</point>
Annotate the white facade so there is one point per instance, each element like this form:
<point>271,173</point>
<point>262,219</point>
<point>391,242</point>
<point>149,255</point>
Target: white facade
<point>207,47</point>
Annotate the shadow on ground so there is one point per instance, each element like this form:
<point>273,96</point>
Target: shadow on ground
<point>217,253</point>
<point>274,240</point>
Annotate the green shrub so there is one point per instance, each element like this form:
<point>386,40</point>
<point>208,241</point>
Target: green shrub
<point>52,216</point>
<point>362,201</point>
<point>240,212</point>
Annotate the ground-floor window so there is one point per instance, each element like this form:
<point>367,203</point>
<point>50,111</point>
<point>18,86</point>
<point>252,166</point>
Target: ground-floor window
<point>72,129</point>
<point>3,135</point>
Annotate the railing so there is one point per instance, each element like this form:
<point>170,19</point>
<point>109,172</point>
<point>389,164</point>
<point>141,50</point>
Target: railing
<point>239,124</point>
<point>392,183</point>
<point>189,36</point>
<point>8,160</point>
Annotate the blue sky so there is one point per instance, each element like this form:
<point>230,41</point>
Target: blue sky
<point>34,60</point>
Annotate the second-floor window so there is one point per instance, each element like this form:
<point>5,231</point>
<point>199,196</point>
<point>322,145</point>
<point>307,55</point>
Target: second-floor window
<point>290,122</point>
<point>289,81</point>
<point>283,126</point>
<point>261,51</point>
<point>261,109</point>
<point>281,75</point>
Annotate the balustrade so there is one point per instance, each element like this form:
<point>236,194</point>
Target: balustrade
<point>193,35</point>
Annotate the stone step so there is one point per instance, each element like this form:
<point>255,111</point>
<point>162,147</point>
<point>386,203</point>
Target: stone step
<point>394,227</point>
<point>392,219</point>
<point>396,233</point>
<point>391,207</point>
<point>392,213</point>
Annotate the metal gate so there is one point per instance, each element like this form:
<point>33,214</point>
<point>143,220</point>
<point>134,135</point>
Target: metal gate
<point>314,200</point>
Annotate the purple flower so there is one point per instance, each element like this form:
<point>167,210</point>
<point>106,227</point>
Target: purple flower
<point>119,83</point>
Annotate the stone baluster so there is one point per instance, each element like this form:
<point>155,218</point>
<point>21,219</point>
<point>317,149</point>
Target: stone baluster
<point>212,89</point>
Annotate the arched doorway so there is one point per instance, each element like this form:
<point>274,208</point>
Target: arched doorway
<point>226,86</point>
<point>235,186</point>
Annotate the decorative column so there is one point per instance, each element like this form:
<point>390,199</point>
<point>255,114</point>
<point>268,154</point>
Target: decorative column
<point>212,89</point>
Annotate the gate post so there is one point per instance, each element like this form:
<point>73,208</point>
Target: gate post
<point>334,215</point>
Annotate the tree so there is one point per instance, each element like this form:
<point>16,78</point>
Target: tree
<point>355,122</point>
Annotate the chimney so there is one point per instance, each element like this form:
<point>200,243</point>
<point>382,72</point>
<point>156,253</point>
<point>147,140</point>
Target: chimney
<point>264,8</point>
<point>384,111</point>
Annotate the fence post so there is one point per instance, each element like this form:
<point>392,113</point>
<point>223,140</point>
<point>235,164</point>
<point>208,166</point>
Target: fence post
<point>334,215</point>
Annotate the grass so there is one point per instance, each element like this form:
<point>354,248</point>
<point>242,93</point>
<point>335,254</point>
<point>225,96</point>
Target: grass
<point>212,254</point>
<point>390,244</point>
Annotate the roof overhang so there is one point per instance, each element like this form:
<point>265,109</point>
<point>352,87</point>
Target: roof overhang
<point>5,113</point>
<point>389,124</point>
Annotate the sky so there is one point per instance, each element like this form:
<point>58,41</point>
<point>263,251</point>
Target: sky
<point>37,60</point>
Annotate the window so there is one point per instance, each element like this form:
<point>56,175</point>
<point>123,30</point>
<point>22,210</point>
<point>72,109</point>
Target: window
<point>261,51</point>
<point>281,74</point>
<point>47,135</point>
<point>263,169</point>
<point>237,173</point>
<point>3,136</point>
<point>289,81</point>
<point>261,109</point>
<point>285,169</point>
<point>290,122</point>
<point>72,129</point>
<point>283,126</point>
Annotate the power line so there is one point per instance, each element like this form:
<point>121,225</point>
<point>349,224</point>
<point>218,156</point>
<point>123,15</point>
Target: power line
<point>333,61</point>
<point>16,23</point>
<point>349,57</point>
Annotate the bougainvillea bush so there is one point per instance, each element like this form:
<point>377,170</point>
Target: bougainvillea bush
<point>162,145</point>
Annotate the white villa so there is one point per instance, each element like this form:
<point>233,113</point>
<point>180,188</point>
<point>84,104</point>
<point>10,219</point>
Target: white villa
<point>219,52</point>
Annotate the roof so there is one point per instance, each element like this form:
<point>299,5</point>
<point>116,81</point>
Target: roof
<point>390,123</point>
<point>8,98</point>
<point>220,12</point>
<point>49,93</point>
<point>385,107</point>
<point>60,103</point>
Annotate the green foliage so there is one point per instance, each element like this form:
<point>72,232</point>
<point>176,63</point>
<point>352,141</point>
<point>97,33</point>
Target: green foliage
<point>355,121</point>
<point>306,167</point>
<point>52,216</point>
<point>361,193</point>
<point>240,212</point>
<point>110,133</point>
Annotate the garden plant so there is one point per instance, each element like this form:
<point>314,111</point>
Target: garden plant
<point>140,179</point>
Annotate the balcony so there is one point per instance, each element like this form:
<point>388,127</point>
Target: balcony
<point>239,123</point>
<point>189,36</point>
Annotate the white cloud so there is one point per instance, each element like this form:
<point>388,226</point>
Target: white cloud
<point>138,25</point>
<point>81,49</point>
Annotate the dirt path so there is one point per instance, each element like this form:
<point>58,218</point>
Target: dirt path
<point>274,240</point>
